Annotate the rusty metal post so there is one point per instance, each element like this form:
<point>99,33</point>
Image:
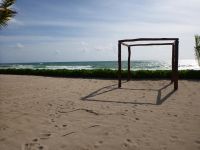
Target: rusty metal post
<point>119,64</point>
<point>129,63</point>
<point>176,66</point>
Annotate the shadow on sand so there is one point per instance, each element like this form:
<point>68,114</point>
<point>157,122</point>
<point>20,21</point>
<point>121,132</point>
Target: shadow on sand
<point>109,88</point>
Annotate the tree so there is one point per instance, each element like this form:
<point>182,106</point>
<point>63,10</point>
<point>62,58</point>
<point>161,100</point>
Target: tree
<point>197,47</point>
<point>6,13</point>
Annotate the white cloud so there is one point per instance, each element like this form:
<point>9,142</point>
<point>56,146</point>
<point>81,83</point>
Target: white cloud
<point>57,52</point>
<point>175,11</point>
<point>19,46</point>
<point>52,23</point>
<point>14,21</point>
<point>105,47</point>
<point>84,46</point>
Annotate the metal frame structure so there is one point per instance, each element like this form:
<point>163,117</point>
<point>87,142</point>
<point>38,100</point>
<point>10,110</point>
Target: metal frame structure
<point>174,42</point>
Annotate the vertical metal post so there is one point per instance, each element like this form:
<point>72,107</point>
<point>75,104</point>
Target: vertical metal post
<point>119,64</point>
<point>129,64</point>
<point>176,66</point>
<point>173,59</point>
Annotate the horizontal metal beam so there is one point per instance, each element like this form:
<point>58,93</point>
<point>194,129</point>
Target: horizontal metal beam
<point>147,39</point>
<point>125,44</point>
<point>149,44</point>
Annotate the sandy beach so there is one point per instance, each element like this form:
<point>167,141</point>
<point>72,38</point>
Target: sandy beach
<point>45,113</point>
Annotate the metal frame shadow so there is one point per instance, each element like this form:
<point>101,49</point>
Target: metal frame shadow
<point>113,87</point>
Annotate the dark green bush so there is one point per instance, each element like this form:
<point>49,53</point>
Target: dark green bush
<point>104,73</point>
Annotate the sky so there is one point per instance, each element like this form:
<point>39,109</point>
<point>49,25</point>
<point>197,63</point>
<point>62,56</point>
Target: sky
<point>88,30</point>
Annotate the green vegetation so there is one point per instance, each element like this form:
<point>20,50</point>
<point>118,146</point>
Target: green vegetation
<point>104,73</point>
<point>6,13</point>
<point>197,47</point>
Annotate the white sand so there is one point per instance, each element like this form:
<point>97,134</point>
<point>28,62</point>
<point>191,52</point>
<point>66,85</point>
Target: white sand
<point>85,114</point>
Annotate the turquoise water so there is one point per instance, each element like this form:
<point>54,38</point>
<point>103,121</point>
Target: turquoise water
<point>135,65</point>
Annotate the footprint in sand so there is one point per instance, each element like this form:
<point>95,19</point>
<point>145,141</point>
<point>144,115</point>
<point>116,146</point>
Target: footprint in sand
<point>106,133</point>
<point>2,139</point>
<point>129,143</point>
<point>129,140</point>
<point>194,93</point>
<point>173,138</point>
<point>3,127</point>
<point>125,145</point>
<point>137,118</point>
<point>197,141</point>
<point>44,136</point>
<point>64,125</point>
<point>35,140</point>
<point>97,144</point>
<point>33,146</point>
<point>52,120</point>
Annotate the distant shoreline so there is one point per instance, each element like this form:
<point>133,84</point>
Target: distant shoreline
<point>113,65</point>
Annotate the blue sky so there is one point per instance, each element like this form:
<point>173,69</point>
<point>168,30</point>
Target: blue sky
<point>82,30</point>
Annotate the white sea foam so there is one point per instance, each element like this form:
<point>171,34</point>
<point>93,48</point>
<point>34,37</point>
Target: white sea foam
<point>188,64</point>
<point>136,65</point>
<point>17,67</point>
<point>68,67</point>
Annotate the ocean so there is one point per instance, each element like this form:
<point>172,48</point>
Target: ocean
<point>135,65</point>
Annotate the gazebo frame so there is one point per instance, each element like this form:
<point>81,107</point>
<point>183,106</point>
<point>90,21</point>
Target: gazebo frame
<point>174,44</point>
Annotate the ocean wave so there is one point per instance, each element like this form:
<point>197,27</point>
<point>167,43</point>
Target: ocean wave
<point>68,67</point>
<point>135,65</point>
<point>44,67</point>
<point>16,66</point>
